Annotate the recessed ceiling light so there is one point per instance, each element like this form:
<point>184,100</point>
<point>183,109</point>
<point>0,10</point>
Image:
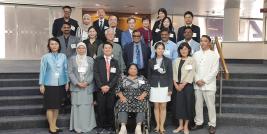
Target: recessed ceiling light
<point>135,12</point>
<point>98,5</point>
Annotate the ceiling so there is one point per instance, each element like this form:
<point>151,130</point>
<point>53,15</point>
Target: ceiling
<point>248,8</point>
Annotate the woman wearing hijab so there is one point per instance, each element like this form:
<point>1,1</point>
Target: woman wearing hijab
<point>82,30</point>
<point>80,71</point>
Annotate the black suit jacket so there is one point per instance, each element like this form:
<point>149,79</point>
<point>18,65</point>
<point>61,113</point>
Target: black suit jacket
<point>129,51</point>
<point>118,35</point>
<point>165,80</point>
<point>100,73</point>
<point>195,28</point>
<point>101,32</point>
<point>57,25</point>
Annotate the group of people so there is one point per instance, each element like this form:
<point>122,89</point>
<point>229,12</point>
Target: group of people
<point>104,67</point>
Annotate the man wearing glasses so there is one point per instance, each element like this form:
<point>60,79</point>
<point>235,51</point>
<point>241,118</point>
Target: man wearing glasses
<point>137,52</point>
<point>57,25</point>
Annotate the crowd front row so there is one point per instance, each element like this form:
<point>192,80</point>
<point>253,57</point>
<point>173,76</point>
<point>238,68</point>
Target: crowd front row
<point>128,79</point>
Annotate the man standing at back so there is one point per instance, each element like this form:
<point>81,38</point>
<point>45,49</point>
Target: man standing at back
<point>101,24</point>
<point>57,25</point>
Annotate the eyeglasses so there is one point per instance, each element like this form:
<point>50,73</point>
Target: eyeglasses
<point>136,36</point>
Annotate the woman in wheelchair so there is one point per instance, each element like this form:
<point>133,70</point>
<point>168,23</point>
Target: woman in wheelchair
<point>133,91</point>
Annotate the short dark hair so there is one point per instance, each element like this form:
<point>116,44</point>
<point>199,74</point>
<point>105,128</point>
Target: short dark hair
<point>135,31</point>
<point>131,18</point>
<point>190,13</point>
<point>146,18</point>
<point>53,39</point>
<point>132,64</point>
<point>67,7</point>
<point>181,46</point>
<point>107,43</point>
<point>163,10</point>
<point>206,36</point>
<point>170,27</point>
<point>91,27</point>
<point>188,28</point>
<point>159,44</point>
<point>165,30</point>
<point>66,23</point>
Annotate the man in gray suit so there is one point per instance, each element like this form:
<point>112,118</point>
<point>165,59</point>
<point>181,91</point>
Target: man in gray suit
<point>188,37</point>
<point>68,42</point>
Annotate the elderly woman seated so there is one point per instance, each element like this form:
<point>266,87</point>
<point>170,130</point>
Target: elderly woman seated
<point>133,92</point>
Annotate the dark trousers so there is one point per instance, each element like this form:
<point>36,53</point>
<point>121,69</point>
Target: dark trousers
<point>105,108</point>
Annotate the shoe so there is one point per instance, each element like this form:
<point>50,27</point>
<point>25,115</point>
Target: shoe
<point>177,130</point>
<point>52,132</point>
<point>59,130</point>
<point>212,130</point>
<point>138,129</point>
<point>162,131</point>
<point>123,130</point>
<point>186,132</point>
<point>156,130</point>
<point>196,127</point>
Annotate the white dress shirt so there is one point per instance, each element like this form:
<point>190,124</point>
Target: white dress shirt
<point>207,67</point>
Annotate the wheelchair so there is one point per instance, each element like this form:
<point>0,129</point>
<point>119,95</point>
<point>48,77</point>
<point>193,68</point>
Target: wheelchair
<point>146,124</point>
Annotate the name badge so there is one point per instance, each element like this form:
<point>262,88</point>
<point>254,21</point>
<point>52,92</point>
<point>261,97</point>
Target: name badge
<point>116,40</point>
<point>156,67</point>
<point>157,30</point>
<point>81,69</point>
<point>113,70</point>
<point>72,28</point>
<point>167,53</point>
<point>171,35</point>
<point>194,35</point>
<point>57,75</point>
<point>105,27</point>
<point>73,46</point>
<point>141,82</point>
<point>188,67</point>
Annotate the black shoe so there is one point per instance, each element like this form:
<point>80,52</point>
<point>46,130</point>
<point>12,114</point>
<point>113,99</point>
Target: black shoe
<point>52,132</point>
<point>212,130</point>
<point>59,130</point>
<point>196,127</point>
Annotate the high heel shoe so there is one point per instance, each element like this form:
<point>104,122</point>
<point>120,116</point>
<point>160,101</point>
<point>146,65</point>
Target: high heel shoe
<point>52,132</point>
<point>177,130</point>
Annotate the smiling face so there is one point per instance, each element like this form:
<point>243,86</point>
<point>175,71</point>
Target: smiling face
<point>164,36</point>
<point>54,46</point>
<point>161,15</point>
<point>188,19</point>
<point>136,37</point>
<point>101,13</point>
<point>205,43</point>
<point>160,50</point>
<point>184,52</point>
<point>65,29</point>
<point>67,12</point>
<point>133,71</point>
<point>113,22</point>
<point>81,50</point>
<point>92,33</point>
<point>166,23</point>
<point>86,19</point>
<point>107,50</point>
<point>131,24</point>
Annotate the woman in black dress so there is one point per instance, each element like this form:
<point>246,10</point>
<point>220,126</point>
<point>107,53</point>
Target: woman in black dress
<point>162,13</point>
<point>183,75</point>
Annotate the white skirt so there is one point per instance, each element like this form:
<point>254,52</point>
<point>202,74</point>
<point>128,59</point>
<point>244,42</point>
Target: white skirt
<point>159,94</point>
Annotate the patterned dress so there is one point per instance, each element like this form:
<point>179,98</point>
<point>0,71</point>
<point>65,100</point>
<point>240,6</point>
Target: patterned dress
<point>131,89</point>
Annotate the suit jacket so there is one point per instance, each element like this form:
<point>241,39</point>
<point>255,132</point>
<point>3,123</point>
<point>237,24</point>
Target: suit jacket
<point>66,48</point>
<point>128,53</point>
<point>126,38</point>
<point>118,35</point>
<point>156,32</point>
<point>207,67</point>
<point>101,32</point>
<point>154,77</point>
<point>100,73</point>
<point>57,25</point>
<point>75,76</point>
<point>196,32</point>
<point>187,70</point>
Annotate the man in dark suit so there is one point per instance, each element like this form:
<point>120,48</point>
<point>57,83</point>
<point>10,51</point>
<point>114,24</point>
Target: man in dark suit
<point>188,18</point>
<point>113,22</point>
<point>57,25</point>
<point>106,73</point>
<point>137,52</point>
<point>101,24</point>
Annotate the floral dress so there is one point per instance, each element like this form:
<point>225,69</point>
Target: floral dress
<point>131,89</point>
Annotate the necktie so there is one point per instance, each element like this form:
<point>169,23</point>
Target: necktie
<point>138,57</point>
<point>101,24</point>
<point>108,68</point>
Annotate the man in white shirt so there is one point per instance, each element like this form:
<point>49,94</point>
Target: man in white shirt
<point>207,66</point>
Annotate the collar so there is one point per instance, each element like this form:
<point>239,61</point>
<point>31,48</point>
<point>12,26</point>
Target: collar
<point>189,25</point>
<point>101,20</point>
<point>189,42</point>
<point>130,30</point>
<point>109,57</point>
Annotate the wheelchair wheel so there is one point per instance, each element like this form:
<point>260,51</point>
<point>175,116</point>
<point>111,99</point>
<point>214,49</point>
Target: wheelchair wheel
<point>117,124</point>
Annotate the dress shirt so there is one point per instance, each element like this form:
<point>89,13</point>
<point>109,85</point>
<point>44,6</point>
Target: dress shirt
<point>141,55</point>
<point>170,50</point>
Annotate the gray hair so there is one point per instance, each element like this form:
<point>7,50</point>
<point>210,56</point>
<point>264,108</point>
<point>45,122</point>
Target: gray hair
<point>109,30</point>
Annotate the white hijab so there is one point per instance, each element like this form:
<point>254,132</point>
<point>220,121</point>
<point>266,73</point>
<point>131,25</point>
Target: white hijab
<point>81,60</point>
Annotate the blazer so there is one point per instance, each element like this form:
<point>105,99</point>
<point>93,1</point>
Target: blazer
<point>207,67</point>
<point>100,73</point>
<point>74,75</point>
<point>156,32</point>
<point>118,35</point>
<point>154,77</point>
<point>187,70</point>
<point>66,48</point>
<point>196,32</point>
<point>128,53</point>
<point>57,25</point>
<point>126,38</point>
<point>101,32</point>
